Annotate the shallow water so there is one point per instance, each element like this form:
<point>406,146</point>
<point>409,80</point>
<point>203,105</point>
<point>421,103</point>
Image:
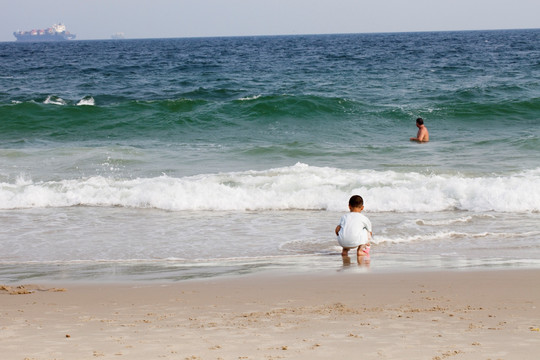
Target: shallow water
<point>173,159</point>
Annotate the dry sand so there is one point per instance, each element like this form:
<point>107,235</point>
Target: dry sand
<point>428,315</point>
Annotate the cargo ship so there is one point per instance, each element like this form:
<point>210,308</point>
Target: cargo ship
<point>118,36</point>
<point>57,32</point>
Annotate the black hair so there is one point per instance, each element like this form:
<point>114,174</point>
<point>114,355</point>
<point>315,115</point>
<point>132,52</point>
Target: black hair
<point>420,121</point>
<point>356,201</point>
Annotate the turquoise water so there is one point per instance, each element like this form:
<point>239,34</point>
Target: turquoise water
<point>181,158</point>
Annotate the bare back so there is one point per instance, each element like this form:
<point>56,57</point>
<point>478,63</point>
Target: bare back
<point>423,134</point>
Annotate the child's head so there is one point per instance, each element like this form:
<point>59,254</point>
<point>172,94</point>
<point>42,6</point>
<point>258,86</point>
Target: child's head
<point>356,203</point>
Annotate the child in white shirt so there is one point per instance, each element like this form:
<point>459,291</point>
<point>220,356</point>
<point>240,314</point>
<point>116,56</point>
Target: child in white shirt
<point>354,229</point>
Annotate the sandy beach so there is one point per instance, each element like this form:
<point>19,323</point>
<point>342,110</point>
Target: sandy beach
<point>418,315</point>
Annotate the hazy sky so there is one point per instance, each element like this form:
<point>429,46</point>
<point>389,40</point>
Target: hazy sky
<point>99,19</point>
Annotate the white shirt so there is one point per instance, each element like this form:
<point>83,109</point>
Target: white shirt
<point>355,229</point>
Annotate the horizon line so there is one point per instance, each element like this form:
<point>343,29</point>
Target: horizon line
<point>287,35</point>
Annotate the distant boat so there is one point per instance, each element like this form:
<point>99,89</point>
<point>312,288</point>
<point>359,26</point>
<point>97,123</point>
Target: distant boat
<point>57,32</point>
<point>118,35</point>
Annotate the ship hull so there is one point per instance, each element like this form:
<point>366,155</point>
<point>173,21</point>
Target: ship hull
<point>45,37</point>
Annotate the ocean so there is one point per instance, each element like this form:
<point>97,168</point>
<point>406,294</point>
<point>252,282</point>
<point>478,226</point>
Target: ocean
<point>177,159</point>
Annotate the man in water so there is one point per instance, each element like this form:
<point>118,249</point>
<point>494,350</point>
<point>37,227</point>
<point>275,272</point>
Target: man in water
<point>423,134</point>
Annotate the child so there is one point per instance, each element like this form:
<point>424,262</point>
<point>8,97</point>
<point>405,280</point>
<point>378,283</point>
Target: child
<point>354,229</point>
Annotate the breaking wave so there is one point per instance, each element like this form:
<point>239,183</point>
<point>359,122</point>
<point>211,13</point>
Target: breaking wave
<point>298,187</point>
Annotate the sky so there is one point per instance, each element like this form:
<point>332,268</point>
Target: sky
<point>99,19</point>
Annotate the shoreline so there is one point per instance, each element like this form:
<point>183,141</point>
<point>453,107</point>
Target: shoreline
<point>492,314</point>
<point>173,270</point>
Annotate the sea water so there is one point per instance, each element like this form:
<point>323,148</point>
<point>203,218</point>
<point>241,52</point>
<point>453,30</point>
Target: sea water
<point>171,159</point>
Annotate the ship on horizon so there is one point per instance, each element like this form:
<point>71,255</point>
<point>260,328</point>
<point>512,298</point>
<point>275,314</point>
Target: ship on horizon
<point>118,36</point>
<point>57,32</point>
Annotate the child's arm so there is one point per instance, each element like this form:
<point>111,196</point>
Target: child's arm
<point>337,230</point>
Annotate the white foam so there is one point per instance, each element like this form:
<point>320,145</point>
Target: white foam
<point>436,237</point>
<point>87,101</point>
<point>255,97</point>
<point>54,100</point>
<point>464,219</point>
<point>296,187</point>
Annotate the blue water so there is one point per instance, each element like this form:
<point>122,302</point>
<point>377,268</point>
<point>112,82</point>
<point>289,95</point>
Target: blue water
<point>186,158</point>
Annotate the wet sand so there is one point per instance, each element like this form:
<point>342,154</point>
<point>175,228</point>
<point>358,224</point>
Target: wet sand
<point>418,315</point>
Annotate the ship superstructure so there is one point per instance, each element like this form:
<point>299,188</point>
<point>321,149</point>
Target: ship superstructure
<point>57,32</point>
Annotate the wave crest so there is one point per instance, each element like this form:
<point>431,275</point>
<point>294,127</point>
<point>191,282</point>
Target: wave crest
<point>298,187</point>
